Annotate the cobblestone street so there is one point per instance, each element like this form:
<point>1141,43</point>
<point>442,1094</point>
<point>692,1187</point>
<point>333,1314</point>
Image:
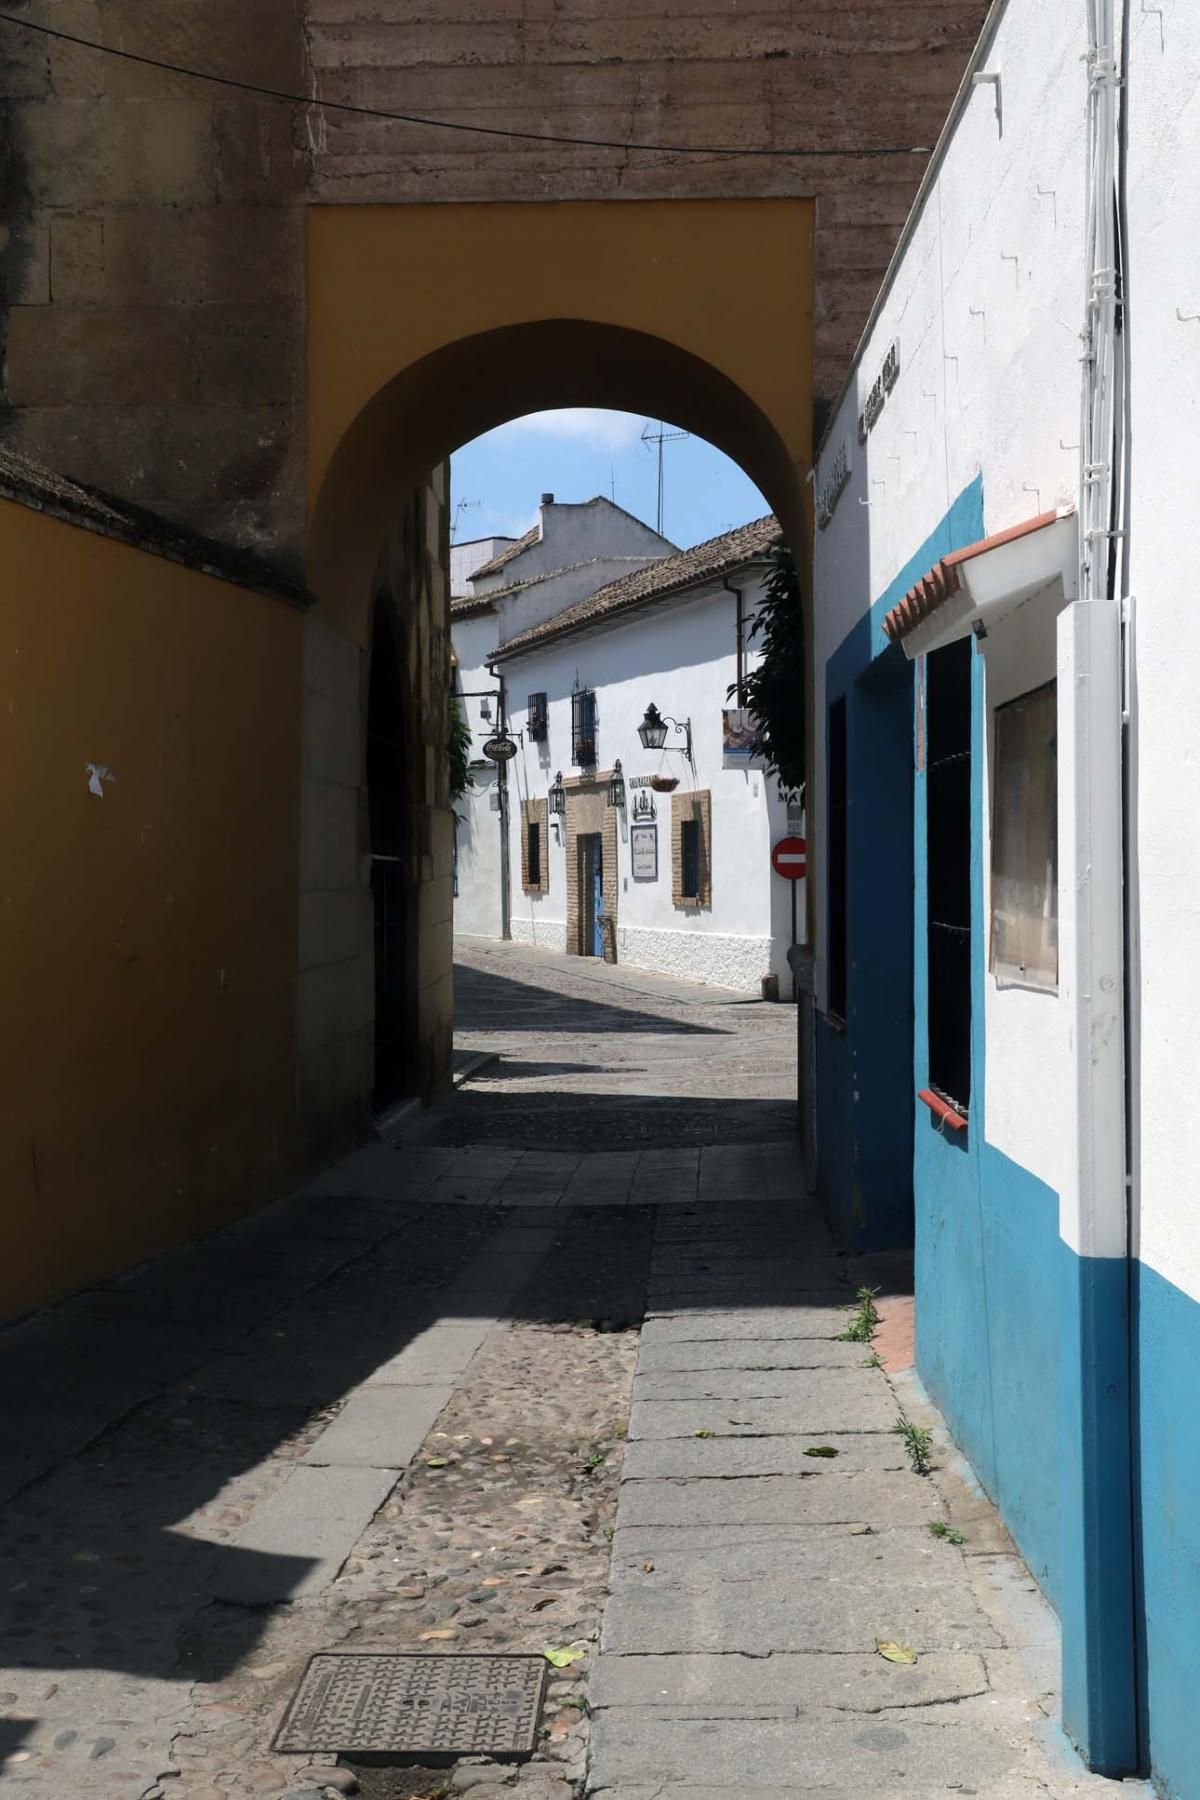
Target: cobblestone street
<point>570,1375</point>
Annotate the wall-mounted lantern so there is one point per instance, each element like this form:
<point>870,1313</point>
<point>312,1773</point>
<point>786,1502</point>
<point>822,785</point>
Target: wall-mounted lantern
<point>616,786</point>
<point>558,797</point>
<point>653,731</point>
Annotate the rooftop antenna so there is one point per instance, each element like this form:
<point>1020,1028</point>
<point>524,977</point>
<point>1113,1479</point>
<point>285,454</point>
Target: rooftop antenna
<point>459,510</point>
<point>660,437</point>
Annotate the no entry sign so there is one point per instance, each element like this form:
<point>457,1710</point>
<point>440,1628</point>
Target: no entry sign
<point>789,858</point>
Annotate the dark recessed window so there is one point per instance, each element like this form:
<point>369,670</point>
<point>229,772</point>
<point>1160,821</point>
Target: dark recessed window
<point>583,726</point>
<point>837,852</point>
<point>689,859</point>
<point>538,720</point>
<point>948,851</point>
<point>534,856</point>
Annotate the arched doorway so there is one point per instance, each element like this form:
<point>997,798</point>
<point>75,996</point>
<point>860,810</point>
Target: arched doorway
<point>428,325</point>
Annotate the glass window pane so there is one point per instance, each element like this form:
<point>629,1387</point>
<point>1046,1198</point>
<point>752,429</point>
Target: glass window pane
<point>1024,947</point>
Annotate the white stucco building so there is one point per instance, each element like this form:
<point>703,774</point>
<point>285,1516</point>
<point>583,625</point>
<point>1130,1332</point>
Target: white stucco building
<point>1008,981</point>
<point>500,586</point>
<point>676,878</point>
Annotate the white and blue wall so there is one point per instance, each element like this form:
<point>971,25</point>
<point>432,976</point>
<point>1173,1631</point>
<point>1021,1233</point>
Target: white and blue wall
<point>1058,1317</point>
<point>1164,230</point>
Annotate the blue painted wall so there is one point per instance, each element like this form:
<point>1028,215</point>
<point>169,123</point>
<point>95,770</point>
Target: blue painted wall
<point>864,1072</point>
<point>990,1265</point>
<point>1167,1427</point>
<point>865,1161</point>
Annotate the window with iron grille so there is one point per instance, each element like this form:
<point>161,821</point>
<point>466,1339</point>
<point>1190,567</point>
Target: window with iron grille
<point>837,852</point>
<point>948,853</point>
<point>583,726</point>
<point>537,723</point>
<point>689,859</point>
<point>534,856</point>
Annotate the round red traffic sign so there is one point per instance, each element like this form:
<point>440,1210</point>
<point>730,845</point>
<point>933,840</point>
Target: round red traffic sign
<point>789,858</point>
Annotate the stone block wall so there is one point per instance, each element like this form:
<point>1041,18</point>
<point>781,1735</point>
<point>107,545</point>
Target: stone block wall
<point>152,261</point>
<point>152,228</point>
<point>337,958</point>
<point>768,74</point>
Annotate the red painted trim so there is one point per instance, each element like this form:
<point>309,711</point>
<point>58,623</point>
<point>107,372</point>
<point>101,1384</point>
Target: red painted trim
<point>942,1109</point>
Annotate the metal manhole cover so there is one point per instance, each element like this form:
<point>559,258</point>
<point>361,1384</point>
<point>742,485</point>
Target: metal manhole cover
<point>416,1706</point>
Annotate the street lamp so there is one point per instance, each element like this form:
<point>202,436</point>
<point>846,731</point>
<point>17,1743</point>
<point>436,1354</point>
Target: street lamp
<point>616,786</point>
<point>558,797</point>
<point>653,730</point>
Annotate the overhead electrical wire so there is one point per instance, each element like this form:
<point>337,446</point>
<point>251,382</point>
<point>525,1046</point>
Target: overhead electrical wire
<point>286,97</point>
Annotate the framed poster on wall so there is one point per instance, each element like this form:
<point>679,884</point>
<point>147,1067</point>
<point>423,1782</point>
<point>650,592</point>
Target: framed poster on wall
<point>643,850</point>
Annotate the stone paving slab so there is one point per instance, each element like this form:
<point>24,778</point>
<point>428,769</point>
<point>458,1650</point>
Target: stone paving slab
<point>1013,1785</point>
<point>295,1543</point>
<point>824,1316</point>
<point>702,1557</point>
<point>821,1748</point>
<point>769,1353</point>
<point>832,1398</point>
<point>379,1428</point>
<point>720,1458</point>
<point>882,1498</point>
<point>750,1616</point>
<point>729,1287</point>
<point>780,1685</point>
<point>808,1385</point>
<point>439,1351</point>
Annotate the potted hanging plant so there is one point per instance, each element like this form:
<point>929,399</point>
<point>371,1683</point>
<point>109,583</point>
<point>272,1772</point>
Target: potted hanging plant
<point>664,784</point>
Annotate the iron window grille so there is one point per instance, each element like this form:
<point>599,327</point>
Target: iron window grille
<point>537,724</point>
<point>948,855</point>
<point>583,726</point>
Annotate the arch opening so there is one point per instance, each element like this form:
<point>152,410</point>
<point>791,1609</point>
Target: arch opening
<point>388,464</point>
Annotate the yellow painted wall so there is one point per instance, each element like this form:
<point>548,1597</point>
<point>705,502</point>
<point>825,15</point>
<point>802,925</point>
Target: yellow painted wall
<point>147,938</point>
<point>430,324</point>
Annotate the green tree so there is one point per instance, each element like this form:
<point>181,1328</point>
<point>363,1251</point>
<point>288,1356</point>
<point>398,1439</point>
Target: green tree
<point>774,691</point>
<point>461,779</point>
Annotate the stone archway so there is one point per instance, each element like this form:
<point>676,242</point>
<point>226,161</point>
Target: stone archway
<point>428,325</point>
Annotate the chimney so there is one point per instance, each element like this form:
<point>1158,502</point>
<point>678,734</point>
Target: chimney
<point>547,499</point>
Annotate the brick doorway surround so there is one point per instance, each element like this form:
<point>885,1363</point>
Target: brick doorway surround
<point>588,811</point>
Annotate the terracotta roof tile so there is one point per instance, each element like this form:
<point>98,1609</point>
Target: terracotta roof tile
<point>657,581</point>
<point>506,555</point>
<point>944,579</point>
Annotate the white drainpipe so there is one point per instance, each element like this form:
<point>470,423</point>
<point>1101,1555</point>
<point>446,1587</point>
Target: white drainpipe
<point>1100,1703</point>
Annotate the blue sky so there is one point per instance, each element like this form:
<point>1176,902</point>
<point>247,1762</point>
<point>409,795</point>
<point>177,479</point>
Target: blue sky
<point>498,479</point>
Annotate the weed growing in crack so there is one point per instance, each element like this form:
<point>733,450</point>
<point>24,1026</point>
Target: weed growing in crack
<point>863,1319</point>
<point>918,1444</point>
<point>949,1534</point>
<point>874,1361</point>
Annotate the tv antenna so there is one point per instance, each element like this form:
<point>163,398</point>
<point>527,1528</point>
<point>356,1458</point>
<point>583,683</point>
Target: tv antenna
<point>462,507</point>
<point>660,437</point>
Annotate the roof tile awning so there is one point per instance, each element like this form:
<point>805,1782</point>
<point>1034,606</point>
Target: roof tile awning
<point>977,585</point>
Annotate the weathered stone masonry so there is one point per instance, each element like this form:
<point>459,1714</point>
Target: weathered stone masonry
<point>154,264</point>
